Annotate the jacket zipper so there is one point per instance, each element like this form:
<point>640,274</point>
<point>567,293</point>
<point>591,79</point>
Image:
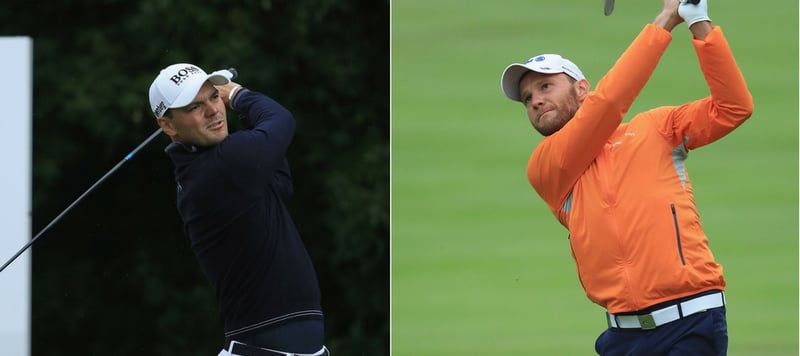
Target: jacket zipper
<point>577,266</point>
<point>677,233</point>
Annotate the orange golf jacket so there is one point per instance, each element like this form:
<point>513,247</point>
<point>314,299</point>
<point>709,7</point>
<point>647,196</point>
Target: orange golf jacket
<point>622,190</point>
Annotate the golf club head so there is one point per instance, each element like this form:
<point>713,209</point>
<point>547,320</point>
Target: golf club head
<point>609,7</point>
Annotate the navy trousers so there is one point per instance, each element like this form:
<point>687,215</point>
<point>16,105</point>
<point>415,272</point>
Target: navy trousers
<point>704,333</point>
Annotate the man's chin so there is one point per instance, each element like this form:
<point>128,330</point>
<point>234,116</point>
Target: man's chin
<point>549,128</point>
<point>219,138</point>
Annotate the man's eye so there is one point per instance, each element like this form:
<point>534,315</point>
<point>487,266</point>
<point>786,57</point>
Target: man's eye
<point>545,85</point>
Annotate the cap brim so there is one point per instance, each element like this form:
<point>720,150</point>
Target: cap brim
<point>510,80</point>
<point>188,94</point>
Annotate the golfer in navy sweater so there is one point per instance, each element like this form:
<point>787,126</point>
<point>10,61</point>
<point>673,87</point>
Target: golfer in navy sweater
<point>231,193</point>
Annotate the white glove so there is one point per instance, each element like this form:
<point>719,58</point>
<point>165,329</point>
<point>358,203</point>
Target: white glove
<point>692,13</point>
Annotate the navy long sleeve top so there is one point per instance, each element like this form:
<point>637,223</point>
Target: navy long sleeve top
<point>231,198</point>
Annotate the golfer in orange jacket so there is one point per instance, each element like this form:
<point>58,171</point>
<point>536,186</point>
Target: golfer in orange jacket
<point>622,189</point>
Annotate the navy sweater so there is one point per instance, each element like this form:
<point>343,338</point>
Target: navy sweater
<point>231,199</point>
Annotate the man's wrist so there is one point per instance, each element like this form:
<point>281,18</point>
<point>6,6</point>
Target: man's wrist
<point>232,95</point>
<point>666,21</point>
<point>701,29</point>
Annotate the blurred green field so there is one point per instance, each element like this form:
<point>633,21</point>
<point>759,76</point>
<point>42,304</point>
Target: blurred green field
<point>479,265</point>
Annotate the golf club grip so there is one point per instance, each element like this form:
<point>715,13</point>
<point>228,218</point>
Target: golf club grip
<point>229,73</point>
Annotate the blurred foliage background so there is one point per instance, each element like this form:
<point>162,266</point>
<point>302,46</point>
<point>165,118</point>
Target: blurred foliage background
<point>116,275</point>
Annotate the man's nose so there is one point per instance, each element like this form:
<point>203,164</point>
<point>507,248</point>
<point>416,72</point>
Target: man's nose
<point>536,102</point>
<point>211,109</point>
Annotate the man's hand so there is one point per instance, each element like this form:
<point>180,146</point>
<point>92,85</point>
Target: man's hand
<point>693,13</point>
<point>669,17</point>
<point>696,16</point>
<point>228,92</point>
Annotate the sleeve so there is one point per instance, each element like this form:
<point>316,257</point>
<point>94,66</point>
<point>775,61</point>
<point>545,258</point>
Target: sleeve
<point>704,121</point>
<point>282,181</point>
<point>560,159</point>
<point>256,155</point>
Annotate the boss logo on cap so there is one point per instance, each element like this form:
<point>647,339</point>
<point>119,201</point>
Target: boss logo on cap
<point>183,74</point>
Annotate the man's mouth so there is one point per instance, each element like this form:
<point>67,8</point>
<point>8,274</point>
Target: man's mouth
<point>216,125</point>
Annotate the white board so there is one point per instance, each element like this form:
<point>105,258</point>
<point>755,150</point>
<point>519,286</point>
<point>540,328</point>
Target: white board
<point>16,55</point>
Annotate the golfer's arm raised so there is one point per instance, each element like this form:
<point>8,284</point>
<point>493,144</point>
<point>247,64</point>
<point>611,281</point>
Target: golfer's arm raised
<point>558,161</point>
<point>260,147</point>
<point>708,119</point>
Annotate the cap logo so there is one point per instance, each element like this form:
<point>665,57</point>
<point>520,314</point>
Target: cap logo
<point>539,59</point>
<point>161,108</point>
<point>183,74</point>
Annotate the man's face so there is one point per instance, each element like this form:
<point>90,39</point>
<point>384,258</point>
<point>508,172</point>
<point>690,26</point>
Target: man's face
<point>203,122</point>
<point>551,100</point>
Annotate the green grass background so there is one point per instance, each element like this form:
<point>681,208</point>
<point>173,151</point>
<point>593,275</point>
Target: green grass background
<point>480,266</point>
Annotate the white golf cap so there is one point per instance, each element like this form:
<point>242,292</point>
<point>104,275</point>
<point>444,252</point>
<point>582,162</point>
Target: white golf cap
<point>543,63</point>
<point>177,85</point>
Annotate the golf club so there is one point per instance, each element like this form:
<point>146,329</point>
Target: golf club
<point>230,73</point>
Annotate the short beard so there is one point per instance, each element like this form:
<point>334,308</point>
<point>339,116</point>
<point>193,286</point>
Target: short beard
<point>573,105</point>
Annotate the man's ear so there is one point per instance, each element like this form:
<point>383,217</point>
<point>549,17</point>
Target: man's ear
<point>166,126</point>
<point>582,89</point>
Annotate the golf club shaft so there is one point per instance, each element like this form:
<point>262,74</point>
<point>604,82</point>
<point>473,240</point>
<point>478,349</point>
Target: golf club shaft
<point>229,73</point>
<point>80,198</point>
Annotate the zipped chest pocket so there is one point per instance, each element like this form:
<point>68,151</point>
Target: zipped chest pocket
<point>677,233</point>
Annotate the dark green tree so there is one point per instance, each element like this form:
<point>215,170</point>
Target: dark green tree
<point>116,276</point>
